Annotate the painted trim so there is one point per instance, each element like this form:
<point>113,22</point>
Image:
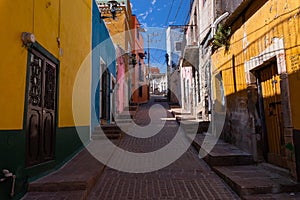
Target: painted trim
<point>274,50</point>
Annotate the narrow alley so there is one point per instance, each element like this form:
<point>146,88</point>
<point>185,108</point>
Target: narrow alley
<point>187,178</point>
<point>156,99</point>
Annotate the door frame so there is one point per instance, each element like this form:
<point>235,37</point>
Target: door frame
<point>112,106</point>
<point>44,52</point>
<point>262,109</point>
<point>102,62</point>
<point>276,51</point>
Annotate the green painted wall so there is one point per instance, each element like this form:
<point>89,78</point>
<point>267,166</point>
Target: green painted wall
<point>12,154</point>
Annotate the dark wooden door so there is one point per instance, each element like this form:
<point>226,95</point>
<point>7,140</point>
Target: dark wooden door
<point>105,97</point>
<point>41,106</point>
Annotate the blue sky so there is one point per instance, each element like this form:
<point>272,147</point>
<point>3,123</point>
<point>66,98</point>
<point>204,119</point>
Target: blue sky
<point>155,16</point>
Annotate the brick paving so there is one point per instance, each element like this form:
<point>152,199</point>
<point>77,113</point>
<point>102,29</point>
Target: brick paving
<point>187,178</point>
<point>282,196</point>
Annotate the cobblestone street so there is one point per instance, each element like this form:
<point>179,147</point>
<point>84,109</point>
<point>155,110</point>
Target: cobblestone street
<point>187,178</point>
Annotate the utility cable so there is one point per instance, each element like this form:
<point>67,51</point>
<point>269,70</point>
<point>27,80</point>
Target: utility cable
<point>169,12</point>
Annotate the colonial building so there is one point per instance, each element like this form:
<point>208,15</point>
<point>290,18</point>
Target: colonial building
<point>140,87</point>
<point>104,72</point>
<point>192,100</point>
<point>158,81</point>
<point>47,42</point>
<point>117,16</point>
<point>174,42</point>
<point>258,68</point>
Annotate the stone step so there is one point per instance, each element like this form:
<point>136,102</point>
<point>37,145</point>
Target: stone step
<point>105,127</point>
<point>219,153</point>
<point>255,179</point>
<point>180,112</point>
<point>123,116</point>
<point>131,108</point>
<point>174,105</point>
<point>96,136</point>
<point>122,121</point>
<point>184,117</point>
<point>111,131</point>
<point>283,196</point>
<point>77,177</point>
<point>72,195</point>
<point>161,100</point>
<point>107,131</point>
<point>190,126</point>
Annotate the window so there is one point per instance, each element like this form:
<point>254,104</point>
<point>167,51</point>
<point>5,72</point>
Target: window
<point>221,89</point>
<point>178,46</point>
<point>141,77</point>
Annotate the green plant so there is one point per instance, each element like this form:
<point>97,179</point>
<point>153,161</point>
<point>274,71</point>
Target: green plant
<point>221,38</point>
<point>289,146</point>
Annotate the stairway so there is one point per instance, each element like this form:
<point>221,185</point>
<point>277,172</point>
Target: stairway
<point>194,126</point>
<point>239,171</point>
<point>216,152</point>
<point>110,131</point>
<point>72,181</point>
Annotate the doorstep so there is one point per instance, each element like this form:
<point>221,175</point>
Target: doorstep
<point>216,152</point>
<point>255,179</point>
<point>78,177</point>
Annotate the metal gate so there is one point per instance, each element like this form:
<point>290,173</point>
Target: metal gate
<point>41,106</point>
<point>271,94</point>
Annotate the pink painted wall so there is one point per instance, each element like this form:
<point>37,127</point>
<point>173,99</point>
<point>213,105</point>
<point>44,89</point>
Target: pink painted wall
<point>138,48</point>
<point>120,100</point>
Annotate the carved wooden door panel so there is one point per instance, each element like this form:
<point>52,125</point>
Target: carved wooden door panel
<point>41,106</point>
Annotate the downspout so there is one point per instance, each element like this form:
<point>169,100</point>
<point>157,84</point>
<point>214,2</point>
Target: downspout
<point>217,21</point>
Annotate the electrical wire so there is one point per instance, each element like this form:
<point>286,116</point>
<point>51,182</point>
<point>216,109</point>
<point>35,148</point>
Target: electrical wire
<point>177,12</point>
<point>169,13</point>
<point>190,10</point>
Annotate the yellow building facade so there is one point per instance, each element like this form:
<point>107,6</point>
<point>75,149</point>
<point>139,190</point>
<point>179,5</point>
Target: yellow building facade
<point>259,76</point>
<point>37,80</point>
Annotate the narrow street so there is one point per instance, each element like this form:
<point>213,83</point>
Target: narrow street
<point>145,100</point>
<point>187,178</point>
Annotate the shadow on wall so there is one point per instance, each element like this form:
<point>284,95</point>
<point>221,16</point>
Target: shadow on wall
<point>238,126</point>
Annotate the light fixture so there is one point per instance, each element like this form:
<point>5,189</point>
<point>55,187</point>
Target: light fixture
<point>133,59</point>
<point>28,38</point>
<point>113,7</point>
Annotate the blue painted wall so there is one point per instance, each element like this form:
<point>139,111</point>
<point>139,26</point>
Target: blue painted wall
<point>103,47</point>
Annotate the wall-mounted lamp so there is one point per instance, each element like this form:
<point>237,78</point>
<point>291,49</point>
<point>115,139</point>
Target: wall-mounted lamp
<point>133,59</point>
<point>28,38</point>
<point>113,5</point>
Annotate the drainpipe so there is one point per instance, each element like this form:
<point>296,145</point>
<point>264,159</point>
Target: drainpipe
<point>217,21</point>
<point>8,174</point>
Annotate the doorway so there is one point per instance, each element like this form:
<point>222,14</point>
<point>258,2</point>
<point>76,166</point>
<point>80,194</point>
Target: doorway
<point>271,109</point>
<point>105,95</point>
<point>41,109</point>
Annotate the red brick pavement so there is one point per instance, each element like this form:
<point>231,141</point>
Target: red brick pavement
<point>187,178</point>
